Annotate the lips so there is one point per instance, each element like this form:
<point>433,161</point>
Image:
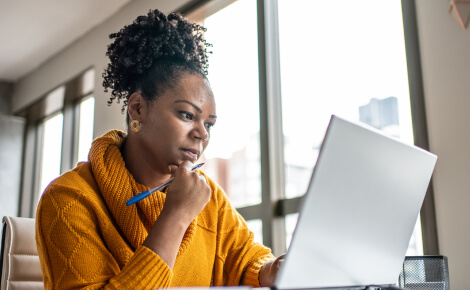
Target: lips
<point>191,153</point>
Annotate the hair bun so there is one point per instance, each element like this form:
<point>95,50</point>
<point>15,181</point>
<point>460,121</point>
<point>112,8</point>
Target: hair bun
<point>149,39</point>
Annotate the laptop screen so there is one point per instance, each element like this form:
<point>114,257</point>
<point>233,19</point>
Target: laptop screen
<point>359,211</point>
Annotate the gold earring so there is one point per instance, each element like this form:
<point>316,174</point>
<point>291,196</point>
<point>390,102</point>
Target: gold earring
<point>135,126</point>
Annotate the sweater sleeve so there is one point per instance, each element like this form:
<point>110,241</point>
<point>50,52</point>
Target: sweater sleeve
<point>242,258</point>
<point>73,253</point>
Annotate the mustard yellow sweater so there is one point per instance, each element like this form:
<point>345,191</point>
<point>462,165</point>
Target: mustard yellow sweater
<point>87,236</point>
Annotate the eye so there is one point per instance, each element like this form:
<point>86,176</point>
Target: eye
<point>209,126</point>
<point>186,115</point>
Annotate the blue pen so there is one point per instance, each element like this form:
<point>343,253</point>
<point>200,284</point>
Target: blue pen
<point>146,193</point>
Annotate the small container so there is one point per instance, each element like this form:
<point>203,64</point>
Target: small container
<point>425,272</point>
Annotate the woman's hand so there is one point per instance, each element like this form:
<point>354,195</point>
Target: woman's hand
<point>188,194</point>
<point>186,197</point>
<point>268,273</point>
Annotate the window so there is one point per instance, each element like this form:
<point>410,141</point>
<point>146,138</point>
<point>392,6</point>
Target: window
<point>58,135</point>
<point>256,226</point>
<point>85,133</point>
<point>357,71</point>
<point>306,61</point>
<point>291,222</point>
<point>51,150</point>
<point>233,155</point>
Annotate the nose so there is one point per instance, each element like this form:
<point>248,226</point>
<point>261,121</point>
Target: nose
<point>200,132</point>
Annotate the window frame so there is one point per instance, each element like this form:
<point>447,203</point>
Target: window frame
<point>419,122</point>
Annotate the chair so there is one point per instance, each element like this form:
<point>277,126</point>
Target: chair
<point>20,266</point>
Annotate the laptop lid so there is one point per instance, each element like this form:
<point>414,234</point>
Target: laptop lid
<point>359,212</point>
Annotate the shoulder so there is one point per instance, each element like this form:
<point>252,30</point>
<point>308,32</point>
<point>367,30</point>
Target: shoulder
<point>74,192</point>
<point>82,173</point>
<point>77,181</point>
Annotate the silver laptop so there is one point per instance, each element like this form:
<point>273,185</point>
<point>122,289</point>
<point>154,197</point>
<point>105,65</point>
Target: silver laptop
<point>359,212</point>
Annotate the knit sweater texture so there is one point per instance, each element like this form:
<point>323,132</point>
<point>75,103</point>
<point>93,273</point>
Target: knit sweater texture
<point>87,237</point>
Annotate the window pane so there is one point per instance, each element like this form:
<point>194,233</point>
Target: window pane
<point>51,151</point>
<point>233,156</point>
<point>256,226</point>
<point>291,222</point>
<point>350,63</point>
<point>85,133</point>
<point>415,248</point>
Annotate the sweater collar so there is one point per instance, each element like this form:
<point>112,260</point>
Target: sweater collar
<point>117,185</point>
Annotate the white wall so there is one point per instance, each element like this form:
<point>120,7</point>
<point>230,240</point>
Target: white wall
<point>88,51</point>
<point>445,56</point>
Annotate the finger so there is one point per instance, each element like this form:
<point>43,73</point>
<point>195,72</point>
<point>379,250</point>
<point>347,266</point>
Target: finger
<point>279,260</point>
<point>185,166</point>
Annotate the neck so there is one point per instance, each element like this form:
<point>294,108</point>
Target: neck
<point>139,165</point>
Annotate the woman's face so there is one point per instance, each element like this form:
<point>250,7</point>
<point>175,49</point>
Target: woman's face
<point>176,126</point>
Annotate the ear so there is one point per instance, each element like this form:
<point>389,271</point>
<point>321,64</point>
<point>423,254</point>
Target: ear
<point>135,106</point>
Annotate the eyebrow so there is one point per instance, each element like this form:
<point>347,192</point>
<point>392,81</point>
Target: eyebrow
<point>195,107</point>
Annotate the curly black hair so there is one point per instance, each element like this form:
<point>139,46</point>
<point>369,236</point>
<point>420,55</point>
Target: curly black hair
<point>151,54</point>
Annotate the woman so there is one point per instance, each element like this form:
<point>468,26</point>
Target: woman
<point>187,234</point>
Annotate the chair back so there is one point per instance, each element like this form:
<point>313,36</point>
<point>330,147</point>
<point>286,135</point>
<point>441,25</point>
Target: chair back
<point>20,266</point>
